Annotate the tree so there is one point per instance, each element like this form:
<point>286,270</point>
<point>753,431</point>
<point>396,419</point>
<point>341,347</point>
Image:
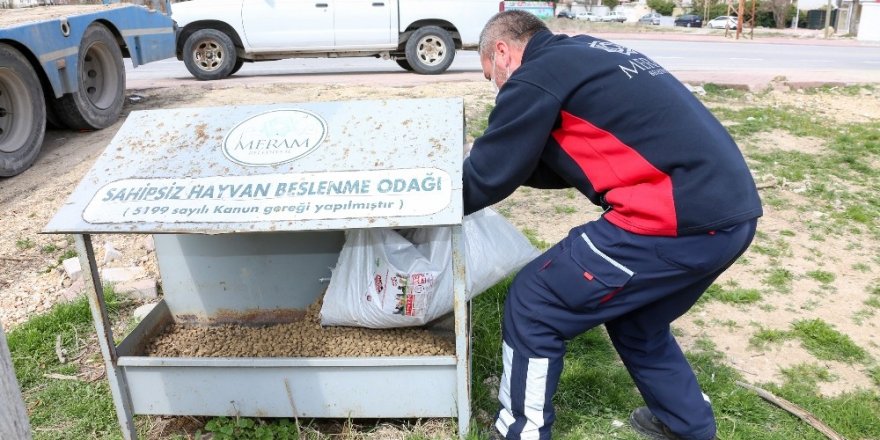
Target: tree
<point>780,10</point>
<point>611,3</point>
<point>663,7</point>
<point>853,16</point>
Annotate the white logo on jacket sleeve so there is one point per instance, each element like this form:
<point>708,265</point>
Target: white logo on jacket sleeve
<point>633,66</point>
<point>610,47</point>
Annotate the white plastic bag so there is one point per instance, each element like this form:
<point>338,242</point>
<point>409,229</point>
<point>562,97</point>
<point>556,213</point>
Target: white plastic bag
<point>385,278</point>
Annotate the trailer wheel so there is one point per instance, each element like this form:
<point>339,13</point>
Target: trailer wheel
<point>209,54</point>
<point>98,100</point>
<point>22,113</point>
<point>430,50</point>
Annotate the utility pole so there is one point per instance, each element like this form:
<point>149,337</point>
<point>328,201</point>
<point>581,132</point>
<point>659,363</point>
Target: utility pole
<point>13,417</point>
<point>739,19</point>
<point>797,13</point>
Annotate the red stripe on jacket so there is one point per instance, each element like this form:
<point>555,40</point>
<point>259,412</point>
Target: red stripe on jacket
<point>639,193</point>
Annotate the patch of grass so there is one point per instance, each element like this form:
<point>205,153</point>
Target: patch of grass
<point>838,90</point>
<point>826,343</point>
<point>478,123</point>
<point>733,295</point>
<point>873,302</point>
<point>764,337</point>
<point>779,279</point>
<point>821,276</point>
<point>787,233</point>
<point>719,91</point>
<point>565,209</point>
<point>808,375</point>
<point>24,244</point>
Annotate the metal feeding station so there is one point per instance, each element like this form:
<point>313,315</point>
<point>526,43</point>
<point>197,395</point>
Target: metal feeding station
<point>248,206</point>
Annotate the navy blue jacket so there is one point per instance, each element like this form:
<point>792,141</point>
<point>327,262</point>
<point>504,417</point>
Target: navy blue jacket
<point>590,114</point>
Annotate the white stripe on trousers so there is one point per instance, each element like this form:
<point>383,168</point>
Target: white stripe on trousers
<point>536,389</point>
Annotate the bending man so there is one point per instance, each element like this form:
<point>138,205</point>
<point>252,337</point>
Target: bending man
<point>680,206</point>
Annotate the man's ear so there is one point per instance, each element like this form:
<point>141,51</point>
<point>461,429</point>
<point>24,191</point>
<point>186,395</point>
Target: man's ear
<point>503,49</point>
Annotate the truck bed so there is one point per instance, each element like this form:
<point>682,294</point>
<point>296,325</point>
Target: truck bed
<point>16,17</point>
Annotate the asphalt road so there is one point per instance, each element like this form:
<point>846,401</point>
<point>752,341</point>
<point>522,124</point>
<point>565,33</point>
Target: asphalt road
<point>689,59</point>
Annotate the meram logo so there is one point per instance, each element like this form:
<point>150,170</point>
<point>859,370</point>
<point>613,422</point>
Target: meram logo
<point>274,137</point>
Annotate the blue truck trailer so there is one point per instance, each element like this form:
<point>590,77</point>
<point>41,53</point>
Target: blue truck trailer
<point>62,66</point>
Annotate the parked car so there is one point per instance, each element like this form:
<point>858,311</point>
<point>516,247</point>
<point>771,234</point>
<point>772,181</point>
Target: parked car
<point>689,20</point>
<point>652,18</point>
<point>722,22</point>
<point>614,16</point>
<point>587,16</point>
<point>565,14</point>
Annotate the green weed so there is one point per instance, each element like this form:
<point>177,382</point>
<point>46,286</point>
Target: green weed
<point>565,209</point>
<point>532,235</point>
<point>779,279</point>
<point>821,276</point>
<point>764,337</point>
<point>734,295</point>
<point>861,267</point>
<point>24,244</point>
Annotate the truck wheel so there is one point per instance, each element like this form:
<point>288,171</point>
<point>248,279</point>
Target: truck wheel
<point>22,113</point>
<point>430,50</point>
<point>402,62</point>
<point>98,100</point>
<point>209,54</point>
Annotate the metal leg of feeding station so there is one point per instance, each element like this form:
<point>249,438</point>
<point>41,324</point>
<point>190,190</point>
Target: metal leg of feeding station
<point>104,330</point>
<point>462,333</point>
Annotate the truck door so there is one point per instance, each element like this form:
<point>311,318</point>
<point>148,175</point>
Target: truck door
<point>365,23</point>
<point>288,24</point>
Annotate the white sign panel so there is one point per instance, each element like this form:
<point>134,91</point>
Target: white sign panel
<point>273,197</point>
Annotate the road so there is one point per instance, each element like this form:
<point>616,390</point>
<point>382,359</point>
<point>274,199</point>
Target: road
<point>723,61</point>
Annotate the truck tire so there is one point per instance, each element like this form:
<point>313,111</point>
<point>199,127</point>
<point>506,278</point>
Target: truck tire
<point>403,63</point>
<point>237,66</point>
<point>22,113</point>
<point>97,102</point>
<point>209,54</point>
<point>430,50</point>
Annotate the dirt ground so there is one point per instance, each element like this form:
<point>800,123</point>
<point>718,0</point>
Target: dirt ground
<point>31,279</point>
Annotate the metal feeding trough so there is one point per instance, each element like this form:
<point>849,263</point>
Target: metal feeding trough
<point>248,206</point>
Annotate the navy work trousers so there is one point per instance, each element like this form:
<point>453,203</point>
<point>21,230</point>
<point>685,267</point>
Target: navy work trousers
<point>634,284</point>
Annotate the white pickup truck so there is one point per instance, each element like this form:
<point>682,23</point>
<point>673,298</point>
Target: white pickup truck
<point>215,37</point>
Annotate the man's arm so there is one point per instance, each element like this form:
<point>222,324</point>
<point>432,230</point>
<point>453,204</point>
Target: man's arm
<point>510,150</point>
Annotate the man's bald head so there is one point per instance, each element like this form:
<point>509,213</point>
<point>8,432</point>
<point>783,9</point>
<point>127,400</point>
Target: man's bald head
<point>514,27</point>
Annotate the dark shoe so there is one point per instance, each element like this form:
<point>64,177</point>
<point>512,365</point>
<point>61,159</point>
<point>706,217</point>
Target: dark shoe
<point>644,422</point>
